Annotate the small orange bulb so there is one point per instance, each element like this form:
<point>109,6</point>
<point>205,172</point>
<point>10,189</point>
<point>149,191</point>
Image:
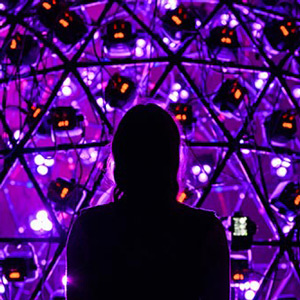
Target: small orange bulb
<point>14,275</point>
<point>47,6</point>
<point>297,200</point>
<point>124,88</point>
<point>64,193</point>
<point>237,94</point>
<point>64,23</point>
<point>284,30</point>
<point>287,125</point>
<point>119,35</point>
<point>13,44</point>
<point>176,20</point>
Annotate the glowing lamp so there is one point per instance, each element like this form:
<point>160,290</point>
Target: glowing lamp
<point>286,199</point>
<point>179,23</point>
<point>23,50</point>
<point>19,264</point>
<point>239,269</point>
<point>70,28</point>
<point>64,118</point>
<point>182,113</point>
<point>243,230</point>
<point>65,195</point>
<point>282,34</point>
<point>119,31</point>
<point>119,91</point>
<point>281,126</point>
<point>230,95</point>
<point>223,36</point>
<point>48,11</point>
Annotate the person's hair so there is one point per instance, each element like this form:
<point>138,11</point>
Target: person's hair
<point>146,154</point>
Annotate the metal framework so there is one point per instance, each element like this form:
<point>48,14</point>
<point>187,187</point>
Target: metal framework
<point>284,243</point>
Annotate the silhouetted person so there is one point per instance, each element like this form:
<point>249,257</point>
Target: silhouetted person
<point>146,245</point>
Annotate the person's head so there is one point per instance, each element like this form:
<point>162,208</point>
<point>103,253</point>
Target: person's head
<point>146,153</point>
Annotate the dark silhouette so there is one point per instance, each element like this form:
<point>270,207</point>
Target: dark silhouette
<point>145,245</point>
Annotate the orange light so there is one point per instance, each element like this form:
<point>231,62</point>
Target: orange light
<point>176,20</point>
<point>238,276</point>
<point>287,125</point>
<point>47,5</point>
<point>178,117</point>
<point>184,117</point>
<point>226,40</point>
<point>64,23</point>
<point>14,275</point>
<point>181,197</point>
<point>37,112</point>
<point>124,87</point>
<point>284,30</point>
<point>63,123</point>
<point>237,94</point>
<point>64,193</point>
<point>119,35</point>
<point>297,200</point>
<point>13,44</point>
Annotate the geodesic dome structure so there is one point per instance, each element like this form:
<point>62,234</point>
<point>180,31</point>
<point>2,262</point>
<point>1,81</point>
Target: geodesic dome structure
<point>227,70</point>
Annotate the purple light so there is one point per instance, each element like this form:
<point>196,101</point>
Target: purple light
<point>296,92</point>
<point>42,170</point>
<point>281,172</point>
<point>249,295</point>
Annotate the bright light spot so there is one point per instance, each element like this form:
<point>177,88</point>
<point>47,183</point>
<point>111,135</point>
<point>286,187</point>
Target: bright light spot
<point>39,159</point>
<point>64,280</point>
<point>256,26</point>
<point>49,162</point>
<point>47,225</point>
<point>246,284</point>
<point>276,162</point>
<point>207,168</point>
<point>225,17</point>
<point>245,151</point>
<point>296,92</point>
<point>96,35</point>
<point>174,96</point>
<point>67,91</point>
<point>67,81</point>
<point>249,295</point>
<point>233,23</point>
<point>176,86</point>
<point>242,195</point>
<point>17,134</point>
<point>203,177</point>
<point>21,229</point>
<point>184,94</point>
<point>263,75</point>
<point>196,170</point>
<point>35,225</point>
<point>224,22</point>
<point>259,83</point>
<point>254,285</point>
<point>285,163</point>
<point>2,288</point>
<point>166,40</point>
<point>198,23</point>
<point>139,52</point>
<point>291,219</point>
<point>286,229</point>
<point>42,170</point>
<point>172,45</point>
<point>141,43</point>
<point>42,215</point>
<point>91,75</point>
<point>281,172</point>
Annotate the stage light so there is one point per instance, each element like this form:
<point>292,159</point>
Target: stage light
<point>281,127</point>
<point>65,194</point>
<point>48,11</point>
<point>196,170</point>
<point>39,159</point>
<point>66,121</point>
<point>223,37</point>
<point>67,25</point>
<point>286,199</point>
<point>239,269</point>
<point>119,91</point>
<point>119,40</point>
<point>42,170</point>
<point>70,28</point>
<point>189,196</point>
<point>230,95</point>
<point>296,92</point>
<point>178,23</point>
<point>282,34</point>
<point>242,232</point>
<point>41,223</point>
<point>249,295</point>
<point>19,264</point>
<point>23,50</point>
<point>183,113</point>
